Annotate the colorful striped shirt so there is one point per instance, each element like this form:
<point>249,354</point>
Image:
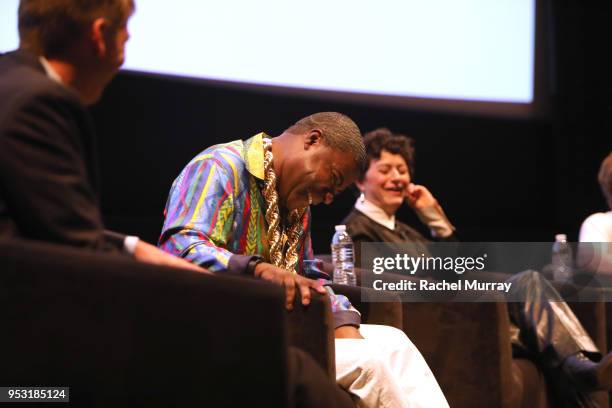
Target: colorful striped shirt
<point>216,209</point>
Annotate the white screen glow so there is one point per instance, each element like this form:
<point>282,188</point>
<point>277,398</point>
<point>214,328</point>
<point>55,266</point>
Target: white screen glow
<point>473,50</point>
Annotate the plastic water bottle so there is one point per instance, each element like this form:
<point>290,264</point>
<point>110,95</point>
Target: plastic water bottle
<point>343,257</point>
<point>561,259</point>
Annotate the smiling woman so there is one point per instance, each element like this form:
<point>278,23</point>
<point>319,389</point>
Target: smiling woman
<point>385,185</point>
<point>385,182</point>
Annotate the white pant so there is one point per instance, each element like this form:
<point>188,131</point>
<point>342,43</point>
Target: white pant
<point>386,370</point>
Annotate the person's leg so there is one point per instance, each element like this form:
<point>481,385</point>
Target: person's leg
<point>547,329</point>
<point>386,370</point>
<point>547,325</point>
<point>309,385</point>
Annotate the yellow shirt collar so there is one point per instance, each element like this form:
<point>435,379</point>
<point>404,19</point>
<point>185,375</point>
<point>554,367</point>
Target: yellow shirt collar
<point>254,155</point>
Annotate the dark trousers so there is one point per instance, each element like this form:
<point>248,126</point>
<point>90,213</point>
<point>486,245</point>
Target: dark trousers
<point>546,330</point>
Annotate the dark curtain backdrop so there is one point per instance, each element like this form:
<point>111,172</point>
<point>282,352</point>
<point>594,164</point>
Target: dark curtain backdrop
<point>498,179</point>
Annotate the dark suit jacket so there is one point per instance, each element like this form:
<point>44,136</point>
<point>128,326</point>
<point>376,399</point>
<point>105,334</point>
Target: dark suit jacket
<point>48,176</point>
<point>363,229</point>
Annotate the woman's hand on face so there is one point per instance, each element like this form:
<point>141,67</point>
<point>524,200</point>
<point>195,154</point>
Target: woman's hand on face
<point>419,197</point>
<point>428,210</point>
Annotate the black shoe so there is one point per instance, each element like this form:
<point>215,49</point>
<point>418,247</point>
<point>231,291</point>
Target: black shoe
<point>588,375</point>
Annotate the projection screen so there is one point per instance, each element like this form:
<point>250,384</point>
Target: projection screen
<point>469,55</point>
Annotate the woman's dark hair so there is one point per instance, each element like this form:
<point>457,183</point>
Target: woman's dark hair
<point>383,139</point>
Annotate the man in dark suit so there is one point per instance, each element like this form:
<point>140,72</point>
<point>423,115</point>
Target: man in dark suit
<point>48,174</point>
<point>69,50</point>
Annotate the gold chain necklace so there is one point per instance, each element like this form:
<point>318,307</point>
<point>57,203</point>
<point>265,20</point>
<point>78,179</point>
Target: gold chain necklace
<point>279,236</point>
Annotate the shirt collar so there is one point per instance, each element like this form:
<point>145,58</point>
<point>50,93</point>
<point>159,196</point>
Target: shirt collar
<point>51,73</point>
<point>254,155</point>
<point>375,213</point>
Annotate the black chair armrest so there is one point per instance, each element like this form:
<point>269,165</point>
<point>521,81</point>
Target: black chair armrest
<point>123,333</point>
<point>311,329</point>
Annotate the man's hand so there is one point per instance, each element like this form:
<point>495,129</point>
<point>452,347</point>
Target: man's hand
<point>148,253</point>
<point>289,280</point>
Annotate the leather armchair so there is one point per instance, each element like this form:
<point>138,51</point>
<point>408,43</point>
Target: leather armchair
<point>122,333</point>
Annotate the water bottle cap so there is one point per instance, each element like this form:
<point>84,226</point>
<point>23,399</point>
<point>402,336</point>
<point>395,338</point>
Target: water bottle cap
<point>340,227</point>
<point>560,238</point>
